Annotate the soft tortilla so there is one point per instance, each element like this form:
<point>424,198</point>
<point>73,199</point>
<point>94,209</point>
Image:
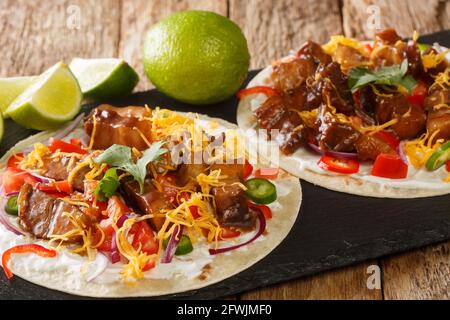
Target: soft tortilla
<point>222,267</point>
<point>336,182</point>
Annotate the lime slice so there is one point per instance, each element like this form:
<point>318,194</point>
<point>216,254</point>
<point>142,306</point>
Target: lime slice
<point>104,78</point>
<point>11,88</point>
<point>53,99</point>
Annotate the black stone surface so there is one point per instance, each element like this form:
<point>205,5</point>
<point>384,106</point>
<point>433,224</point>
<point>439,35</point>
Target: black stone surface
<point>332,230</point>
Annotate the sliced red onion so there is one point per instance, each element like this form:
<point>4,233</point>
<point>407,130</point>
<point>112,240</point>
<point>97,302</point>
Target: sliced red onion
<point>172,245</point>
<point>336,154</point>
<point>401,152</point>
<point>12,194</point>
<point>115,254</point>
<point>101,268</point>
<point>40,178</point>
<point>259,231</point>
<point>4,219</point>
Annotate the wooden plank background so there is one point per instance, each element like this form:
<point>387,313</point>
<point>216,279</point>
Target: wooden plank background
<point>36,34</point>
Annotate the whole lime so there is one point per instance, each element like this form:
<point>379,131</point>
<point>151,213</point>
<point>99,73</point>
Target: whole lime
<point>196,57</point>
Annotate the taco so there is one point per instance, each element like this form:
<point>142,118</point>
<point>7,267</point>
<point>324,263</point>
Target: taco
<point>366,118</point>
<point>130,202</point>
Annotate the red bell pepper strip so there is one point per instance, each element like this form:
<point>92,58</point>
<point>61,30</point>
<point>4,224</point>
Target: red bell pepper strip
<point>56,186</point>
<point>25,248</point>
<point>248,169</point>
<point>193,209</point>
<point>447,166</point>
<point>263,208</point>
<point>63,146</point>
<point>268,91</point>
<point>229,233</point>
<point>267,173</point>
<point>13,161</point>
<point>345,166</point>
<point>419,94</point>
<point>389,166</point>
<point>388,137</point>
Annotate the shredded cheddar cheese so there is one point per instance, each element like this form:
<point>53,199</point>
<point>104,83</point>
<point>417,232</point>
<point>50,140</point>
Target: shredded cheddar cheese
<point>331,46</point>
<point>432,59</point>
<point>421,149</point>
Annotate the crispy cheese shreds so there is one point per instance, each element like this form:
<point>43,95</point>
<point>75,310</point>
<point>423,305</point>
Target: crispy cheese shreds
<point>442,79</point>
<point>432,59</point>
<point>331,46</point>
<point>137,259</point>
<point>420,150</point>
<point>206,182</point>
<point>36,157</point>
<point>78,231</point>
<point>374,129</point>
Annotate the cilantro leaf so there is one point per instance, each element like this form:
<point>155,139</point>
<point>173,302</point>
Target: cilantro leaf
<point>116,156</point>
<point>108,185</point>
<point>120,156</point>
<point>391,76</point>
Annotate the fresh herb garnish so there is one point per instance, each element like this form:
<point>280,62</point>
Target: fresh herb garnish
<point>121,157</point>
<point>108,185</point>
<point>391,76</point>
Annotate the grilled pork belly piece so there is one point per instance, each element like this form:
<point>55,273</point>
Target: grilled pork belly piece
<point>42,215</point>
<point>368,147</point>
<point>231,200</point>
<point>411,118</point>
<point>288,76</point>
<point>59,170</point>
<point>125,126</point>
<point>439,120</point>
<point>151,201</point>
<point>313,51</point>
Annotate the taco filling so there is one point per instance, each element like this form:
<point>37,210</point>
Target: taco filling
<point>138,186</point>
<point>379,109</point>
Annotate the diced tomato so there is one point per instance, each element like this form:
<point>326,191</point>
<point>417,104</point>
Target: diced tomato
<point>194,209</point>
<point>56,144</point>
<point>13,161</point>
<point>263,208</point>
<point>57,186</point>
<point>419,94</point>
<point>268,91</point>
<point>388,137</point>
<point>150,265</point>
<point>345,166</point>
<point>108,230</point>
<point>368,47</point>
<point>144,238</point>
<point>357,97</point>
<point>228,233</point>
<point>389,166</point>
<point>168,183</point>
<point>117,207</point>
<point>13,179</point>
<point>447,166</point>
<point>266,173</point>
<point>76,142</point>
<point>248,169</point>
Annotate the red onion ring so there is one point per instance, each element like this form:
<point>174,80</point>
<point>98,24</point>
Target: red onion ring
<point>260,229</point>
<point>401,152</point>
<point>115,254</point>
<point>336,154</point>
<point>12,194</point>
<point>172,245</point>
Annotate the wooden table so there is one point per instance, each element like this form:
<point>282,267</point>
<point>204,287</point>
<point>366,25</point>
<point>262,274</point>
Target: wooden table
<point>36,34</point>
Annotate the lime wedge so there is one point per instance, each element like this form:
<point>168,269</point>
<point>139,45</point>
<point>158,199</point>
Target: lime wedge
<point>11,88</point>
<point>104,78</point>
<point>54,98</point>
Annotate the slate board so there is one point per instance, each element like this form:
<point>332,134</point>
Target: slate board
<point>332,230</point>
